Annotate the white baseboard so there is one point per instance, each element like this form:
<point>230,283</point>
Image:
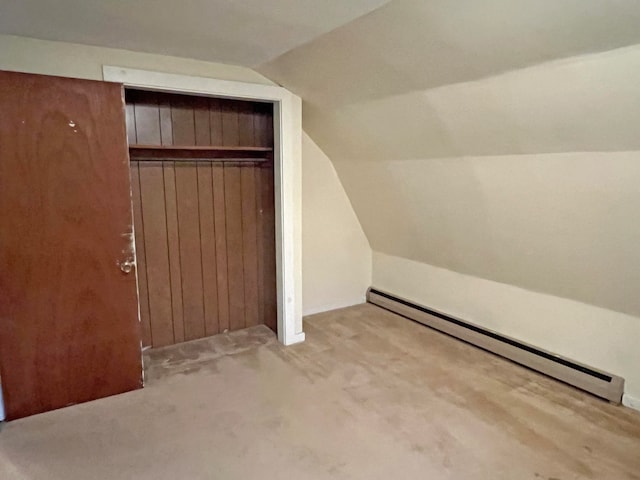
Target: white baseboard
<point>582,332</point>
<point>631,402</point>
<point>334,306</point>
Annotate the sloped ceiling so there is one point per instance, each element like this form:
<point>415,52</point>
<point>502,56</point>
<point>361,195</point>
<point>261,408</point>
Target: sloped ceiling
<point>245,32</point>
<point>497,138</point>
<point>430,57</point>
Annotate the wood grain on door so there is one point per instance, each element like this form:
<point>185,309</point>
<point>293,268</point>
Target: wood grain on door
<point>68,313</point>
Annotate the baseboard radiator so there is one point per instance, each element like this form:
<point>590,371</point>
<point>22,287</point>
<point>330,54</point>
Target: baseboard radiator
<point>597,382</point>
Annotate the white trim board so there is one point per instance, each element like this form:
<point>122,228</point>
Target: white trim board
<point>631,402</point>
<point>287,110</point>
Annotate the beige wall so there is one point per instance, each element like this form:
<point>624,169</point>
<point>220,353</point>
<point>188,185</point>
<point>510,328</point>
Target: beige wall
<point>582,332</point>
<point>334,246</point>
<point>497,142</point>
<point>336,257</point>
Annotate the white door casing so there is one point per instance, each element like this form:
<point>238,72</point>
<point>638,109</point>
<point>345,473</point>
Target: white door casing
<point>287,110</point>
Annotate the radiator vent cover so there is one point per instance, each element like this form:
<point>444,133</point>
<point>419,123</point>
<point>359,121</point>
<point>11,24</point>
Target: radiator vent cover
<point>597,382</point>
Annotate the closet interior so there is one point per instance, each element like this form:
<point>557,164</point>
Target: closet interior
<point>202,181</point>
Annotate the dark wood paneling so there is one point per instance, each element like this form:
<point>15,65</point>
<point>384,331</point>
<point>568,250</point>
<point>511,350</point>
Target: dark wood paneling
<point>215,121</point>
<point>268,238</point>
<point>263,124</point>
<point>234,217</point>
<point>201,120</point>
<point>219,211</point>
<point>140,256</point>
<point>166,123</point>
<point>173,152</point>
<point>208,248</point>
<point>230,131</point>
<point>231,209</point>
<point>250,245</point>
<point>173,242</point>
<point>217,237</point>
<point>156,252</point>
<point>235,264</point>
<point>183,121</point>
<point>131,123</point>
<point>190,253</point>
<point>246,135</point>
<point>147,118</point>
<point>260,243</point>
<point>267,125</point>
<point>70,329</point>
<point>171,119</point>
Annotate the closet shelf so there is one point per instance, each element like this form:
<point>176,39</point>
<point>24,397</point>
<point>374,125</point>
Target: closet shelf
<point>174,152</point>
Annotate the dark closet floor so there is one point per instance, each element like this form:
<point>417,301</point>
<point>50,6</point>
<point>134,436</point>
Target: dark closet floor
<point>202,354</point>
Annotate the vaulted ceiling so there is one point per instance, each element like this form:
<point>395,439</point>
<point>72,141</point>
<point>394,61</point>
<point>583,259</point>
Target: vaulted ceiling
<point>435,74</point>
<point>245,32</point>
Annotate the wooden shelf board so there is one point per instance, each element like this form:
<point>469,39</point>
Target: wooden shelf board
<point>200,148</point>
<point>194,153</point>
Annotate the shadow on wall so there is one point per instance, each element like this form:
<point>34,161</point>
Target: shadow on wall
<point>406,207</point>
<point>336,256</point>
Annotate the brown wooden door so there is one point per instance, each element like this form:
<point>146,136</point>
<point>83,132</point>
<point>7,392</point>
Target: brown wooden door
<point>69,328</point>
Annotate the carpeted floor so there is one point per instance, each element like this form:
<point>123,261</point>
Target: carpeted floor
<point>370,395</point>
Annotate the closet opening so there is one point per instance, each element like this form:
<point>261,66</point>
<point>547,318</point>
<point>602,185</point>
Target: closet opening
<point>202,175</point>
